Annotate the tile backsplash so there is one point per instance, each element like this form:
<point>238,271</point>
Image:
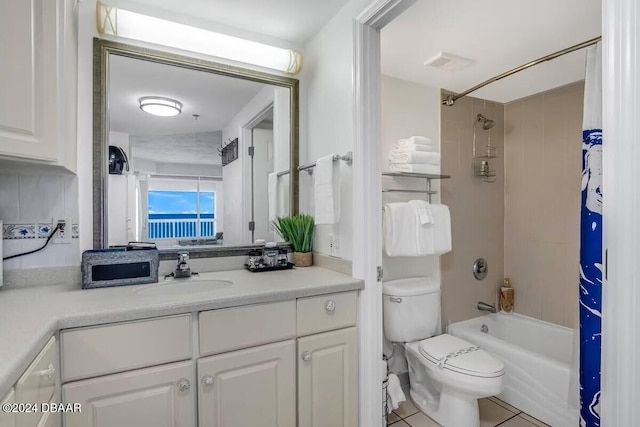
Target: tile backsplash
<point>29,200</point>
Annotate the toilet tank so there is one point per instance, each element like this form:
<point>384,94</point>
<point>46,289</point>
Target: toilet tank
<point>411,309</point>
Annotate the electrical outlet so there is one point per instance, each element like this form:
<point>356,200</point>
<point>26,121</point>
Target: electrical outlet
<point>63,234</point>
<point>334,248</point>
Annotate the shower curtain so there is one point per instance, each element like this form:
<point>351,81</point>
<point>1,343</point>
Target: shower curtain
<point>591,242</point>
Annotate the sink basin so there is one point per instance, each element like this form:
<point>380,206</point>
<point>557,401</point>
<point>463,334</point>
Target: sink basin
<point>184,286</point>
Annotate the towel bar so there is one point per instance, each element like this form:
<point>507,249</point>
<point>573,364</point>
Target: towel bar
<point>347,158</point>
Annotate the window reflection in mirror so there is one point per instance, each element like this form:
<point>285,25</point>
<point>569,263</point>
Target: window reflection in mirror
<point>167,182</point>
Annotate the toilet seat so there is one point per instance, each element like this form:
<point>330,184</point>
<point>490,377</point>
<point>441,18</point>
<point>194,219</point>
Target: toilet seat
<point>454,354</point>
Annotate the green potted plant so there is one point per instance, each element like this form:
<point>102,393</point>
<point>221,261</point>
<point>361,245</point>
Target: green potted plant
<point>297,230</point>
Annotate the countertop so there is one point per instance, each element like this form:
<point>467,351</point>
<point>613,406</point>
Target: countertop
<point>30,315</point>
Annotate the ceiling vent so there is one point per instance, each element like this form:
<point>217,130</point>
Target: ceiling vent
<point>449,62</point>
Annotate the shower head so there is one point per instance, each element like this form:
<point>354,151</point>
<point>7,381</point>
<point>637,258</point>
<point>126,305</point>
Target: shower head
<point>486,123</point>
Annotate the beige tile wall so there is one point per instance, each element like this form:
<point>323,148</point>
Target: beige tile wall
<point>477,209</point>
<point>542,157</point>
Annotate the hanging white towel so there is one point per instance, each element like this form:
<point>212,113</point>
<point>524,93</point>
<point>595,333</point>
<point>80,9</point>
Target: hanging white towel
<point>442,229</point>
<point>327,190</point>
<point>414,167</point>
<point>423,140</point>
<point>422,157</point>
<point>423,210</point>
<point>400,227</point>
<point>408,147</point>
<point>272,189</point>
<point>395,395</point>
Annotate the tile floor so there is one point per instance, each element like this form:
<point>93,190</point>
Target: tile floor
<point>493,412</point>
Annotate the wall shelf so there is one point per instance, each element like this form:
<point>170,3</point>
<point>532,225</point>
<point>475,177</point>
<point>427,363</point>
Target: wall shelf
<point>428,191</point>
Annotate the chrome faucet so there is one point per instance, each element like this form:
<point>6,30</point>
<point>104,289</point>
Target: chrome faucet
<point>483,306</point>
<point>183,270</point>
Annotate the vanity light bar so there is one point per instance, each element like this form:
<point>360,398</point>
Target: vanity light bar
<point>123,23</point>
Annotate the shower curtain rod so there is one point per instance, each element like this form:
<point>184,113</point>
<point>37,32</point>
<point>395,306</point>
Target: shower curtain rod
<point>451,99</point>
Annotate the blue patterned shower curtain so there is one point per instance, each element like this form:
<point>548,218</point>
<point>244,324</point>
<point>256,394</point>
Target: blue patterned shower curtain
<point>591,243</point>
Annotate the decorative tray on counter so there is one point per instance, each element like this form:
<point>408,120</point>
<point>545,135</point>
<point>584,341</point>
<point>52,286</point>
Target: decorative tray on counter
<point>289,266</point>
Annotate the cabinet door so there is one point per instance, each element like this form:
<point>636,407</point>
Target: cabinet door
<point>8,419</point>
<point>28,91</point>
<point>328,379</point>
<point>162,396</point>
<point>249,388</point>
<point>37,384</point>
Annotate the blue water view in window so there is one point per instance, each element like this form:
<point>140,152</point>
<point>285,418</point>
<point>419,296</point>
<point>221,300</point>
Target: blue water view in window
<point>175,214</point>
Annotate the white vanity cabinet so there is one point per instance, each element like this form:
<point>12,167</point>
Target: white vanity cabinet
<point>281,364</point>
<point>159,396</point>
<point>251,387</point>
<point>132,373</point>
<point>328,361</point>
<point>38,88</point>
<point>37,385</point>
<point>8,419</point>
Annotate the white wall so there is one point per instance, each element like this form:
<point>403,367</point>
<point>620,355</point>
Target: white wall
<point>408,109</point>
<point>327,88</point>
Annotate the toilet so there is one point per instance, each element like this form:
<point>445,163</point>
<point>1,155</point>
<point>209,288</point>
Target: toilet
<point>447,374</point>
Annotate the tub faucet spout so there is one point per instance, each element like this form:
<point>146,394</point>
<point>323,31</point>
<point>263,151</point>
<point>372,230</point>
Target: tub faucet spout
<point>483,306</point>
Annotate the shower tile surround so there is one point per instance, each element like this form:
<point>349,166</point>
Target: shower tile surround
<point>526,224</point>
<point>543,157</point>
<point>477,209</point>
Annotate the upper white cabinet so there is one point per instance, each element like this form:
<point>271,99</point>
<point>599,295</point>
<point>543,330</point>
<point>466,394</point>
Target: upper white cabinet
<point>38,82</point>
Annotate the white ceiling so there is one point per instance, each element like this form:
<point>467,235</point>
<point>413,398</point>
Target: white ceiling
<point>217,99</point>
<point>497,35</point>
<point>290,20</point>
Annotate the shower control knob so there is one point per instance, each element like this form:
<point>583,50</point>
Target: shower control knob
<point>208,380</point>
<point>306,356</point>
<point>184,384</point>
<point>330,306</point>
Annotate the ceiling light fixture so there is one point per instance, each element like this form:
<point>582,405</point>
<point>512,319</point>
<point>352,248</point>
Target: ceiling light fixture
<point>123,23</point>
<point>160,106</point>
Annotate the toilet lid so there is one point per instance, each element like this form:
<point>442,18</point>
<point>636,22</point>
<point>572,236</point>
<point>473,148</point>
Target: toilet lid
<point>458,355</point>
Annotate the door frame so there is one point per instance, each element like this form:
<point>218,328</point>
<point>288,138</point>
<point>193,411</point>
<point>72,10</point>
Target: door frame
<point>246,135</point>
<point>621,235</point>
<point>367,200</point>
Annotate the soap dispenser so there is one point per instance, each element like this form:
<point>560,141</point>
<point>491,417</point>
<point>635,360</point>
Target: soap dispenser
<point>506,297</point>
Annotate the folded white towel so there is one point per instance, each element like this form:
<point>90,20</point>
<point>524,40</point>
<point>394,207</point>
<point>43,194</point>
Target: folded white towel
<point>327,190</point>
<point>399,229</point>
<point>422,157</point>
<point>408,147</point>
<point>272,190</point>
<point>395,395</point>
<point>414,167</point>
<point>442,229</point>
<point>423,210</point>
<point>415,140</point>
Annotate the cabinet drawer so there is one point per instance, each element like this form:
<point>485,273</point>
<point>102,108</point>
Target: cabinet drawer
<point>94,351</point>
<point>37,384</point>
<point>326,312</point>
<point>241,327</point>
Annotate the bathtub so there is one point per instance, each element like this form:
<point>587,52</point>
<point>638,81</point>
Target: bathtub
<point>538,359</point>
